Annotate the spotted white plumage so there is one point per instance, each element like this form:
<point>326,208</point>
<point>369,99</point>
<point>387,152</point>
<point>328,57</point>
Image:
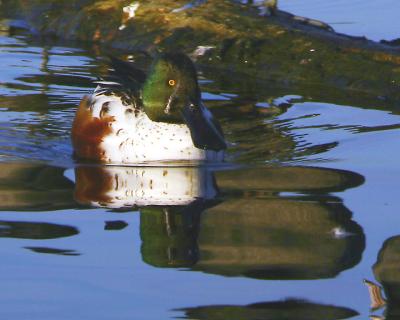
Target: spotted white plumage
<point>134,138</point>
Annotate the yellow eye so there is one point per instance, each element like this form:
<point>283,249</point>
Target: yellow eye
<point>171,82</point>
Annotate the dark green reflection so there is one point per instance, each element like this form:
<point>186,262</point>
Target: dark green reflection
<point>290,309</point>
<point>279,239</point>
<point>61,252</point>
<point>115,225</point>
<point>387,272</point>
<point>257,233</point>
<point>295,179</point>
<point>169,236</point>
<point>35,230</point>
<point>34,187</point>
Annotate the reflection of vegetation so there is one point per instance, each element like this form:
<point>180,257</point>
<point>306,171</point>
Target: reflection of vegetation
<point>297,179</point>
<point>115,225</point>
<point>258,234</point>
<point>34,187</point>
<point>279,239</point>
<point>290,309</point>
<point>387,272</point>
<point>254,140</point>
<point>26,102</point>
<point>255,136</point>
<point>35,230</point>
<point>170,234</point>
<point>61,252</point>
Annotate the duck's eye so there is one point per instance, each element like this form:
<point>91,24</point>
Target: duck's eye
<point>171,82</point>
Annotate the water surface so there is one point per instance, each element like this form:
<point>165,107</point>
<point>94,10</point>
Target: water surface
<point>304,209</point>
<point>375,20</point>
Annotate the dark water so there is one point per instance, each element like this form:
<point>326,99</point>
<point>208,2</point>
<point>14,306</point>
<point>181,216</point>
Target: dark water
<point>305,208</point>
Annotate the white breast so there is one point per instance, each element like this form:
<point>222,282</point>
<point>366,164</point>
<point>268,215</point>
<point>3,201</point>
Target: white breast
<point>137,139</point>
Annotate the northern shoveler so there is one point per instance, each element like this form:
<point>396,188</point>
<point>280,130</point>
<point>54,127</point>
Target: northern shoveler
<point>134,118</point>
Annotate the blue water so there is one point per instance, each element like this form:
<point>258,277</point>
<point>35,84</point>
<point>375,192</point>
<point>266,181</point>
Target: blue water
<point>375,20</point>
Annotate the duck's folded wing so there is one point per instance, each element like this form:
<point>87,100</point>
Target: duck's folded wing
<point>123,78</point>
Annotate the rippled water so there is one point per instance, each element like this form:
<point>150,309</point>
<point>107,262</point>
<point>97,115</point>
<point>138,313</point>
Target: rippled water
<point>304,209</point>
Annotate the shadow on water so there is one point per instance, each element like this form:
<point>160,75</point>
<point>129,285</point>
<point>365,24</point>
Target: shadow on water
<point>289,309</point>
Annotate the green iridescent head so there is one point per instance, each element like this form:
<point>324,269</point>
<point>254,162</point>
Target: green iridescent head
<point>171,94</point>
<point>170,86</point>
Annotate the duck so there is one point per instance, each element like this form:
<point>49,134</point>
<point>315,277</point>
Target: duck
<point>133,117</point>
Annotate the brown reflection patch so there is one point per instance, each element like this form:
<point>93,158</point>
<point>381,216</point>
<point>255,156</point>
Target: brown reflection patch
<point>92,185</point>
<point>88,132</point>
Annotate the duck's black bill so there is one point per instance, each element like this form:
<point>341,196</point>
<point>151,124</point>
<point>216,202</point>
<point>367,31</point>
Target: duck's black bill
<point>205,130</point>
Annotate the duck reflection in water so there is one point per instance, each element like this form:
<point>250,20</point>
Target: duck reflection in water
<point>170,200</point>
<point>127,187</point>
<point>247,229</point>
